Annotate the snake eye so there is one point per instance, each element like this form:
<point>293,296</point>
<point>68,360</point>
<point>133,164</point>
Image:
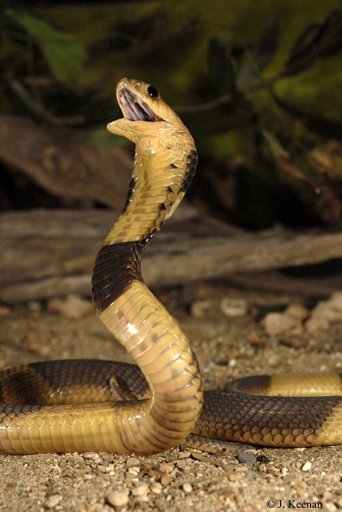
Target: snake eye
<point>152,91</point>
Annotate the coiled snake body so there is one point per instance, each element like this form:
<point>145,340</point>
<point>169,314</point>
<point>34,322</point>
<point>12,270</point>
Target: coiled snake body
<point>88,405</point>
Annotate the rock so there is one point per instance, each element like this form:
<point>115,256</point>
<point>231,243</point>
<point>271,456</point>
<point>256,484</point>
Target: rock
<point>132,461</point>
<point>246,458</point>
<point>118,498</point>
<point>165,479</point>
<point>53,501</point>
<point>140,490</point>
<point>325,313</point>
<point>307,466</point>
<point>297,311</point>
<point>200,308</point>
<point>73,307</point>
<point>187,488</point>
<point>89,455</point>
<point>233,307</point>
<point>156,487</point>
<point>133,471</point>
<point>281,323</point>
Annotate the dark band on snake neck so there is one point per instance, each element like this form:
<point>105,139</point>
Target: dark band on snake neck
<point>116,266</point>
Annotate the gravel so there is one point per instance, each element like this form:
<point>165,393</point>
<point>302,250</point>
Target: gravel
<point>247,479</point>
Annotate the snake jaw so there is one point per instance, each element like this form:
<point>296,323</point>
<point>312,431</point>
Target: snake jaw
<point>134,108</point>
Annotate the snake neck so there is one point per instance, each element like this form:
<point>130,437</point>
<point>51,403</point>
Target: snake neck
<point>161,176</point>
<point>164,165</point>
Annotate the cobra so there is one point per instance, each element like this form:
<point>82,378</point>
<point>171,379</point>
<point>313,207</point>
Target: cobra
<point>90,405</point>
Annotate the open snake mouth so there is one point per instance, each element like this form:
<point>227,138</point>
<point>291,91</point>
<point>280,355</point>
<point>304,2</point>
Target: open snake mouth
<point>135,109</point>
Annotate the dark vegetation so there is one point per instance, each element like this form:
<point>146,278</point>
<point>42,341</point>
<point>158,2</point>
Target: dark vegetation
<point>258,84</point>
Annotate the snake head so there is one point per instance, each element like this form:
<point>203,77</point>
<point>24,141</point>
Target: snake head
<point>144,111</point>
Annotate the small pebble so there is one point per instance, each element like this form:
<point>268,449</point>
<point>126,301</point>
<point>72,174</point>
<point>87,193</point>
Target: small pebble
<point>307,466</point>
<point>199,308</point>
<point>132,461</point>
<point>140,490</point>
<point>89,455</point>
<point>73,306</point>
<point>53,501</point>
<point>185,455</point>
<point>233,308</point>
<point>156,488</point>
<point>166,467</point>
<point>325,313</point>
<point>165,479</point>
<point>247,458</point>
<point>297,311</point>
<point>133,471</point>
<point>118,498</point>
<point>187,488</point>
<point>281,323</point>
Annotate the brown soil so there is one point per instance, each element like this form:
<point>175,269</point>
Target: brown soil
<point>249,479</point>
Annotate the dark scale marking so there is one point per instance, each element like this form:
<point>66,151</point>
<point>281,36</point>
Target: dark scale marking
<point>268,412</point>
<point>116,266</point>
<point>34,383</point>
<point>131,189</point>
<point>255,384</point>
<point>150,235</point>
<point>190,171</point>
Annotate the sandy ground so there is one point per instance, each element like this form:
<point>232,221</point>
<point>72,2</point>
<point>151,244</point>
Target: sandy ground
<point>247,479</point>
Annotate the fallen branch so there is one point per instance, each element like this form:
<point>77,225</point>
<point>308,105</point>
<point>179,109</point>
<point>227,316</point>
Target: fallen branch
<point>63,166</point>
<point>47,253</point>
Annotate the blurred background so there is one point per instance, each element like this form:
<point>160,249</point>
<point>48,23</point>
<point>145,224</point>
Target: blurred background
<point>257,82</point>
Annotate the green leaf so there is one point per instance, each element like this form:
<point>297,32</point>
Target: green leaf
<point>64,53</point>
<point>317,41</point>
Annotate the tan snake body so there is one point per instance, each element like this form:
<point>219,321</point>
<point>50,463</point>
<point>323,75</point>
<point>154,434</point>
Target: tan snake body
<point>88,405</point>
